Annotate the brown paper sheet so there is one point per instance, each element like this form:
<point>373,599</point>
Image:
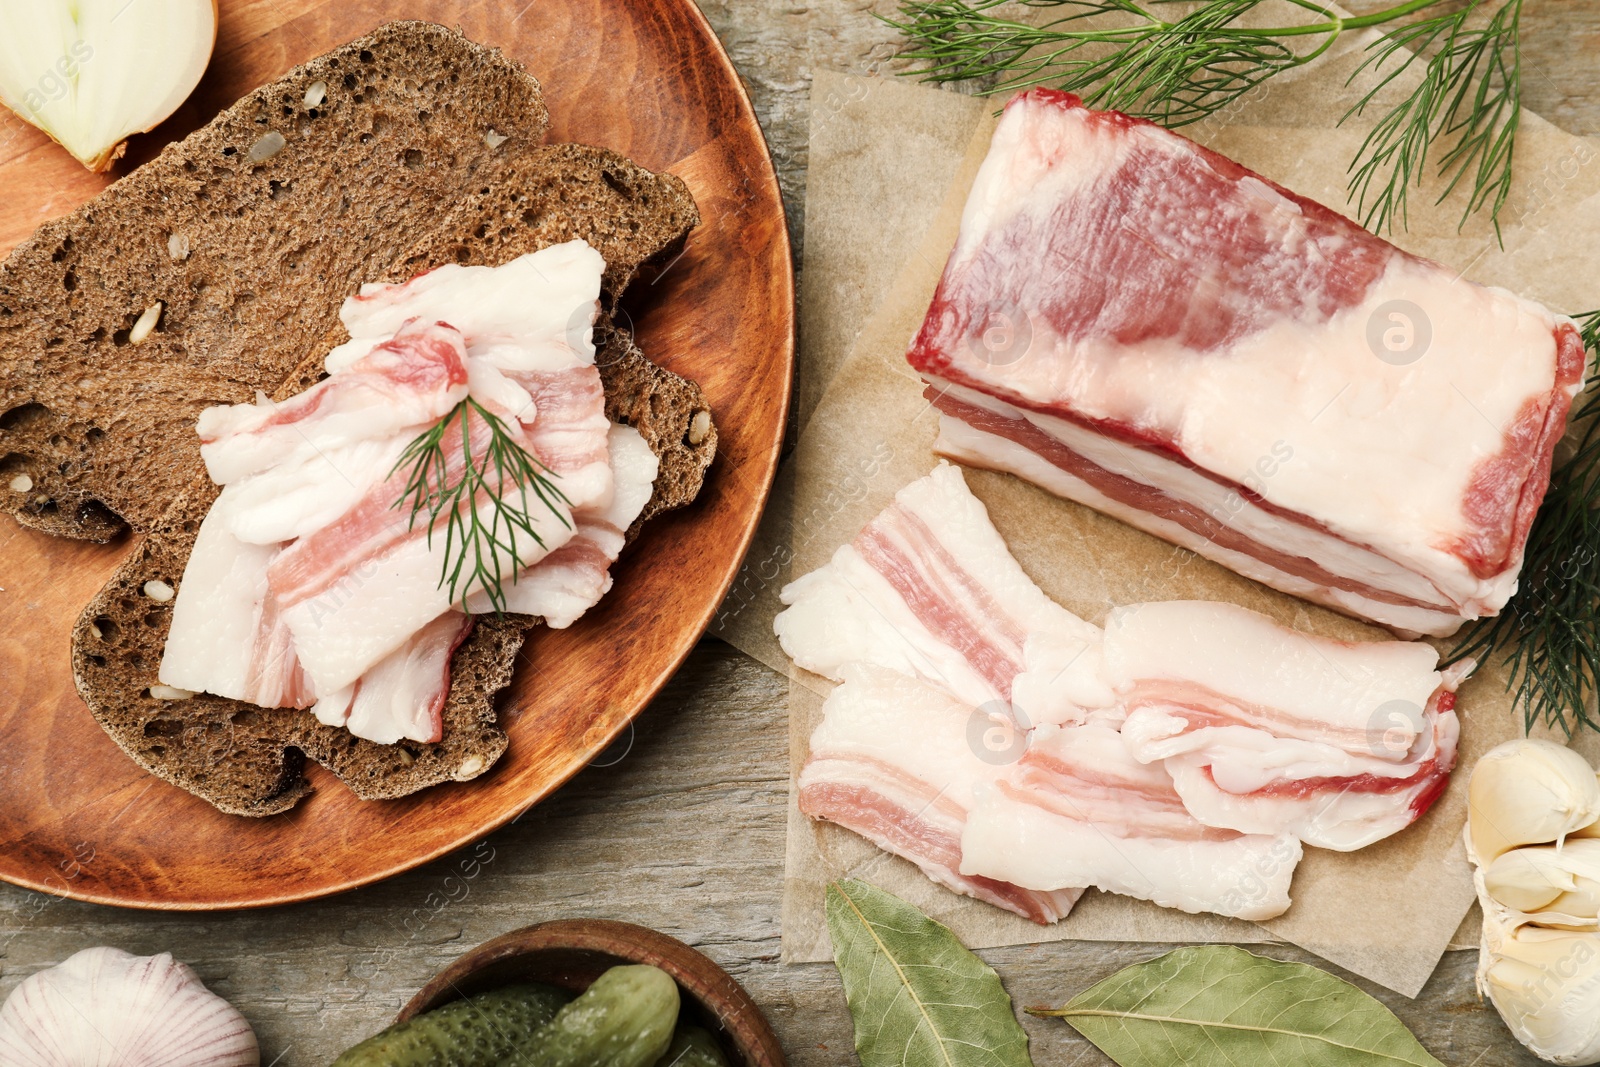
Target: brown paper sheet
<point>902,176</point>
<point>1387,912</point>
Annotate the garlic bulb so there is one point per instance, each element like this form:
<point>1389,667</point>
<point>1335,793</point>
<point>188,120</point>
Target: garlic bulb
<point>1528,792</point>
<point>1532,838</point>
<point>90,73</point>
<point>1546,985</point>
<point>106,1008</point>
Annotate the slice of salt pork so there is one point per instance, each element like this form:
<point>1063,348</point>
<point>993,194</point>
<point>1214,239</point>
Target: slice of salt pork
<point>1077,810</point>
<point>929,588</point>
<point>894,760</point>
<point>1267,730</point>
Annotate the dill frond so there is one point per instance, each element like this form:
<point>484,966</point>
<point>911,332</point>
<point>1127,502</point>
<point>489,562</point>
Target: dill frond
<point>477,548</point>
<point>1125,56</point>
<point>1469,103</point>
<point>1550,631</point>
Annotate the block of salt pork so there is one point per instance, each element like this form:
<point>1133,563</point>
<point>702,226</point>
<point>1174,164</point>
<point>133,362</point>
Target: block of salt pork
<point>1265,730</point>
<point>1134,322</point>
<point>930,589</point>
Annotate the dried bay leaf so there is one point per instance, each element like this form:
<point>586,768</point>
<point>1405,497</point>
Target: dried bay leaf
<point>1219,1006</point>
<point>917,996</point>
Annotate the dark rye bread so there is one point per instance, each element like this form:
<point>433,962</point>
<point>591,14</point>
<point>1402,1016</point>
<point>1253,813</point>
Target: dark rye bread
<point>670,413</point>
<point>250,761</point>
<point>274,241</point>
<point>557,193</point>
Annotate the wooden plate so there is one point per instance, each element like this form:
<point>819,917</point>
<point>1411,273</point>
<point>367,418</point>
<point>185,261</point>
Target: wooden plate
<point>572,953</point>
<point>645,77</point>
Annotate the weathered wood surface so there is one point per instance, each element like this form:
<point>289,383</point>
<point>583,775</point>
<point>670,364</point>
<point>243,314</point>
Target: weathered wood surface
<point>685,831</point>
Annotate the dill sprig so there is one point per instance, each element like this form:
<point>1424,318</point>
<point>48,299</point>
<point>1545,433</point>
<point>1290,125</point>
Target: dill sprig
<point>1550,631</point>
<point>1123,55</point>
<point>1469,99</point>
<point>476,550</point>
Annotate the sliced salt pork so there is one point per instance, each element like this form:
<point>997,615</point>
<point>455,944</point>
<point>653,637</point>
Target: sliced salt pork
<point>411,379</point>
<point>1134,322</point>
<point>227,635</point>
<point>573,578</point>
<point>1266,730</point>
<point>311,585</point>
<point>929,588</point>
<point>1077,810</point>
<point>897,761</point>
<point>402,697</point>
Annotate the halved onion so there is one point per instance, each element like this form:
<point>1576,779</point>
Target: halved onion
<point>91,73</point>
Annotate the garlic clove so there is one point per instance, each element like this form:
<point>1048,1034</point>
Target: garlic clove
<point>1564,878</point>
<point>1546,986</point>
<point>1582,903</point>
<point>91,73</point>
<point>1592,830</point>
<point>105,1006</point>
<point>1581,858</point>
<point>1528,792</point>
<point>1528,879</point>
<point>1555,920</point>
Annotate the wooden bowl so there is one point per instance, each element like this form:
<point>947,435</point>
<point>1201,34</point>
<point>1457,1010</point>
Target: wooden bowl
<point>572,953</point>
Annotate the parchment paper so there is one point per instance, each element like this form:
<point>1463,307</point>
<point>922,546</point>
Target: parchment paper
<point>879,148</point>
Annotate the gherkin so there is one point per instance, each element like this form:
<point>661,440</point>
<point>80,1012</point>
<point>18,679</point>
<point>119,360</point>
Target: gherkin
<point>481,1031</point>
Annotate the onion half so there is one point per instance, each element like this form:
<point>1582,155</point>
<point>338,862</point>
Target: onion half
<point>91,73</point>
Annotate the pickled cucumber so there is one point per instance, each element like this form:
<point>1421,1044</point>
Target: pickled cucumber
<point>692,1047</point>
<point>625,1019</point>
<point>481,1031</point>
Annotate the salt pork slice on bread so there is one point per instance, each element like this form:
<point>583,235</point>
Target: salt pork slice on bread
<point>250,255</point>
<point>1134,322</point>
<point>353,581</point>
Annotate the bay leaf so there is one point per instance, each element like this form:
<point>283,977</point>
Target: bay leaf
<point>1219,1006</point>
<point>917,996</point>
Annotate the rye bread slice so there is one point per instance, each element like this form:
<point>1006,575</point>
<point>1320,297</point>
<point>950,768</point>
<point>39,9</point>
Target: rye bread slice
<point>248,233</point>
<point>250,761</point>
<point>606,199</point>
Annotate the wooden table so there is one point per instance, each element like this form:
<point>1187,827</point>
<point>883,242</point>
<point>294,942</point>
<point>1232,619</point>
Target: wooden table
<point>684,830</point>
